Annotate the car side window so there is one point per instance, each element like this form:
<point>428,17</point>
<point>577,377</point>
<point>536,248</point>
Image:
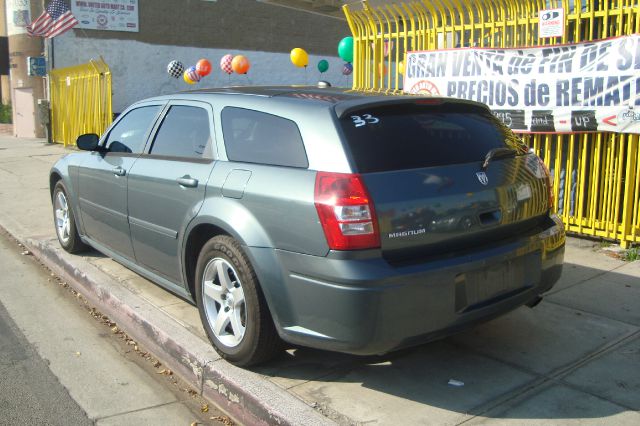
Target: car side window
<point>184,132</point>
<point>257,137</point>
<point>128,136</point>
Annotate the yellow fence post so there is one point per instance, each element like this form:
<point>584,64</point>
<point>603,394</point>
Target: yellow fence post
<point>596,175</point>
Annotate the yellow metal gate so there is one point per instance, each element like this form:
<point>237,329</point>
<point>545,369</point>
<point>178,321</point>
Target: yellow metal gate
<point>80,101</point>
<point>596,175</point>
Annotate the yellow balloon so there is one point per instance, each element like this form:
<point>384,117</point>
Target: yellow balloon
<point>299,57</point>
<point>186,78</point>
<point>401,67</point>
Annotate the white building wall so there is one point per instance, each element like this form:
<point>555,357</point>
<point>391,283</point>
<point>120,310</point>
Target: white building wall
<point>139,70</point>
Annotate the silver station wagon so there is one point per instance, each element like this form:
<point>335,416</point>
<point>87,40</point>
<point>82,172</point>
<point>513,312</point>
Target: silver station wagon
<point>317,216</point>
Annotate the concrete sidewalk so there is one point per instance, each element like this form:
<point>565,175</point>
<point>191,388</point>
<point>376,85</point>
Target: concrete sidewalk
<point>573,359</point>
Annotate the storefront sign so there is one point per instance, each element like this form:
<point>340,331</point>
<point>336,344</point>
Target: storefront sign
<point>107,15</point>
<point>18,16</point>
<point>36,66</point>
<point>584,87</point>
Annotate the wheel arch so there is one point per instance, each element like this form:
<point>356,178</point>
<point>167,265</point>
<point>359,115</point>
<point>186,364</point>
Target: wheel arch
<point>57,174</point>
<point>195,240</point>
<point>54,177</point>
<point>247,231</point>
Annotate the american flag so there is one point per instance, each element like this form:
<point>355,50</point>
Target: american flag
<point>55,20</point>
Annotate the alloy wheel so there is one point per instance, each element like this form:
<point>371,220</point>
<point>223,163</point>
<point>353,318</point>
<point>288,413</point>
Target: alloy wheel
<point>63,223</point>
<point>224,302</point>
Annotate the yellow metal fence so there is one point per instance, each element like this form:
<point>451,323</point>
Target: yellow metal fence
<point>80,101</point>
<point>596,175</point>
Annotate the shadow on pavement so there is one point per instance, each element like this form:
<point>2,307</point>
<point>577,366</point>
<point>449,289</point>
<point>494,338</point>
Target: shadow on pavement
<point>575,355</point>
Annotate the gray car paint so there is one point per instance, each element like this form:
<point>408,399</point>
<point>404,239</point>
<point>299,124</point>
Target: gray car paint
<point>160,207</point>
<point>346,301</point>
<point>102,198</point>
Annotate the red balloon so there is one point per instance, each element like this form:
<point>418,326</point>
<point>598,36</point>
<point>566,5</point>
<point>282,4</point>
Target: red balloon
<point>240,64</point>
<point>203,67</point>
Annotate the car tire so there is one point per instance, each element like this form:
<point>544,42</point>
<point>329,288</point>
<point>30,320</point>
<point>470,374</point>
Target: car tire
<point>232,307</point>
<point>64,221</point>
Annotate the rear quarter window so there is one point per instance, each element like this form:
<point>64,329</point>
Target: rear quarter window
<point>411,136</point>
<point>257,137</point>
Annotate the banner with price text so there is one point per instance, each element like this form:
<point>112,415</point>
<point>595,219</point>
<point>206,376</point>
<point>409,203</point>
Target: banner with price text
<point>585,87</point>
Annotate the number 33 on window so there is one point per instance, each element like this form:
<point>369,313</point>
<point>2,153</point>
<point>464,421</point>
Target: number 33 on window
<point>359,121</point>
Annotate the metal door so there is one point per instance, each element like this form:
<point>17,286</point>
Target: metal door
<point>167,186</point>
<point>103,180</point>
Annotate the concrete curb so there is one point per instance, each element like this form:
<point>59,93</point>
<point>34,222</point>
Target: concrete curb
<point>244,395</point>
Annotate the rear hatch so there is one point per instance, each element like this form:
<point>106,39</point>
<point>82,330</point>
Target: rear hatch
<point>423,163</point>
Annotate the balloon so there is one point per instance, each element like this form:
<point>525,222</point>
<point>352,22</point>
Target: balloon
<point>387,47</point>
<point>240,64</point>
<point>299,57</point>
<point>347,68</point>
<point>203,67</point>
<point>401,67</point>
<point>323,66</point>
<point>175,69</point>
<point>193,74</point>
<point>382,68</point>
<point>186,78</point>
<point>345,49</point>
<point>225,63</point>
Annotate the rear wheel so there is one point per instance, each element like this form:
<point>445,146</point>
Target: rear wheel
<point>64,220</point>
<point>231,304</point>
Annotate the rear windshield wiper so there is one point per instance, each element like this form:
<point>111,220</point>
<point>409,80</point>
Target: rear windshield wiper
<point>501,152</point>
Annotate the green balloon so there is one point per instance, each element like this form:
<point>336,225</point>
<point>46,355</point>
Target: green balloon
<point>323,65</point>
<point>345,49</point>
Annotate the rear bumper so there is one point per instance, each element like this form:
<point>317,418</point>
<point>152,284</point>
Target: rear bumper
<point>366,306</point>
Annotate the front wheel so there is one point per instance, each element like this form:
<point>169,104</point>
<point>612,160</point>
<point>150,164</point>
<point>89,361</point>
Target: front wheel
<point>65,223</point>
<point>231,304</point>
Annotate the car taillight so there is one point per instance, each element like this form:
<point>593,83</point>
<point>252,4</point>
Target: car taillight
<point>549,182</point>
<point>346,212</point>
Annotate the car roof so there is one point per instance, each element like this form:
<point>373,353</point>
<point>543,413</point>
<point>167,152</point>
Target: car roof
<point>344,100</point>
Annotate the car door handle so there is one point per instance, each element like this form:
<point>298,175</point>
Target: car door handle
<point>119,171</point>
<point>187,181</point>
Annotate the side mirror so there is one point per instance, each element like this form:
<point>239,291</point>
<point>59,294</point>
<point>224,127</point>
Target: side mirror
<point>88,142</point>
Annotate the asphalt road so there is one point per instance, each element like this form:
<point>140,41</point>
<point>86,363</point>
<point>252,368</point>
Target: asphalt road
<point>31,393</point>
<point>60,365</point>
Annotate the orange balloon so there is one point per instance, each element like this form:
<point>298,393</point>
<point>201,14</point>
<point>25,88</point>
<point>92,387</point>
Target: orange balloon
<point>383,69</point>
<point>203,67</point>
<point>240,64</point>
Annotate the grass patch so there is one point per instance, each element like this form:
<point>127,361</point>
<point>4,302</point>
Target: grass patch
<point>5,114</point>
<point>632,254</point>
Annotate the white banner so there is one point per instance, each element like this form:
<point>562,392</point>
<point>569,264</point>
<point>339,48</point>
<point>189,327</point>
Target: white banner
<point>584,87</point>
<point>108,15</point>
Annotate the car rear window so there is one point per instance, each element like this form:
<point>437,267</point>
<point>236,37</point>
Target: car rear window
<point>410,136</point>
